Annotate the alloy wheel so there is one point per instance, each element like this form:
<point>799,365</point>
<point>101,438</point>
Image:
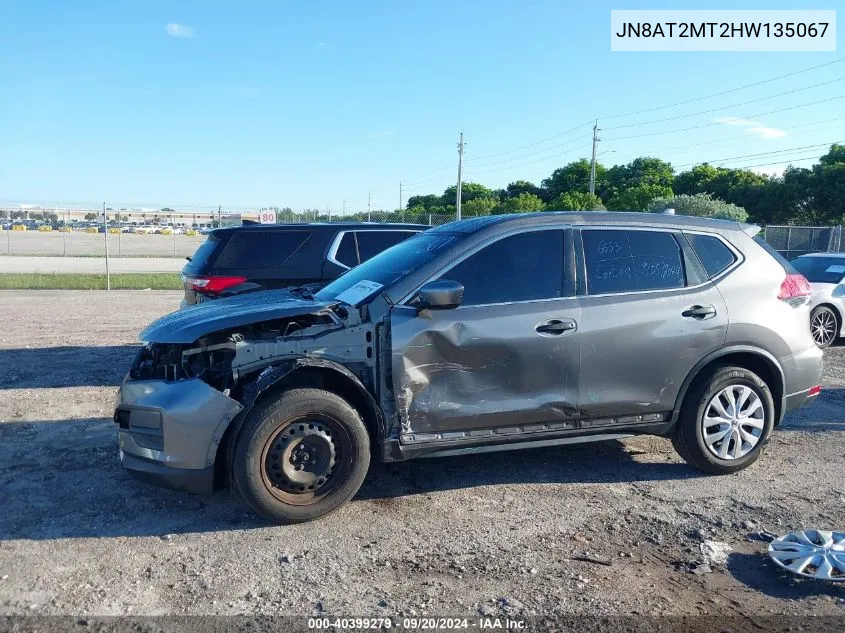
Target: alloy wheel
<point>823,327</point>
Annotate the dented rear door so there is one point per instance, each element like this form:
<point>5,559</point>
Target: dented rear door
<point>492,364</point>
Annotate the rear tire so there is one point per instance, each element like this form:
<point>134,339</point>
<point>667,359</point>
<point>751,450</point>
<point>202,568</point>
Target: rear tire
<point>725,421</point>
<point>300,455</point>
<point>824,326</point>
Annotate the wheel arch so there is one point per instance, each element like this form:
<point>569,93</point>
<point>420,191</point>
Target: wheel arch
<point>752,358</point>
<point>300,372</point>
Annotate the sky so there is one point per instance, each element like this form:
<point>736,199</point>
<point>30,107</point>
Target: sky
<point>329,104</point>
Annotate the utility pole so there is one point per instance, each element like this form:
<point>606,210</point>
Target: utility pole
<point>401,208</point>
<point>596,139</point>
<point>369,204</point>
<point>344,207</point>
<point>106,242</point>
<point>460,168</point>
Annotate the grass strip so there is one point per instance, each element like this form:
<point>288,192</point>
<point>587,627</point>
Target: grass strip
<point>87,281</point>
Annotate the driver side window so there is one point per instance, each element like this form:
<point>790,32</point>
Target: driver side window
<point>523,267</point>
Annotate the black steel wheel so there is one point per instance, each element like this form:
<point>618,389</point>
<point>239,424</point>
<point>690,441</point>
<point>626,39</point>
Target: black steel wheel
<point>300,455</point>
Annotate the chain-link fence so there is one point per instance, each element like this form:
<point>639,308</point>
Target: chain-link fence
<point>113,245</point>
<point>793,241</point>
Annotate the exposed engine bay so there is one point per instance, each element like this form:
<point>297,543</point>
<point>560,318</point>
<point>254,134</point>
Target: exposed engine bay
<point>224,359</point>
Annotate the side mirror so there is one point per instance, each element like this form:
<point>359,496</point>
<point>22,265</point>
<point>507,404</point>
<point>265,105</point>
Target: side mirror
<point>442,294</point>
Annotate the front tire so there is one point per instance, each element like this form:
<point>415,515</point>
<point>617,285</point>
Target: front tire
<point>300,455</point>
<point>725,421</point>
<point>824,326</point>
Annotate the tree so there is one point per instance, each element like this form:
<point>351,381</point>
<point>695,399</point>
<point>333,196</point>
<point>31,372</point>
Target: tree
<point>640,171</point>
<point>572,177</point>
<point>469,191</point>
<point>523,203</point>
<point>576,201</point>
<point>424,202</point>
<point>702,205</point>
<point>637,198</point>
<point>523,186</point>
<point>92,216</point>
<point>477,206</point>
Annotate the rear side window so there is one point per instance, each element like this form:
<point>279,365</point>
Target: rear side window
<point>371,243</point>
<point>630,261</point>
<point>523,267</point>
<point>203,254</point>
<point>347,251</point>
<point>712,253</point>
<point>261,249</point>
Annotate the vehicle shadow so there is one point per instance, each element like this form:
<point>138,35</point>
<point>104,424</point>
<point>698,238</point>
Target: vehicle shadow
<point>758,572</point>
<point>70,366</point>
<point>66,479</point>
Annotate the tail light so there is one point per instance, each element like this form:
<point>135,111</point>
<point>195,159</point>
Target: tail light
<point>212,284</point>
<point>795,289</point>
<point>814,391</point>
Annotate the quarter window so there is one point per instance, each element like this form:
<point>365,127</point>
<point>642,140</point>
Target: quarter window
<point>712,253</point>
<point>347,251</point>
<point>523,267</point>
<point>630,261</point>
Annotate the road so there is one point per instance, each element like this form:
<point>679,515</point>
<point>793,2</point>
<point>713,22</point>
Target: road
<point>24,264</point>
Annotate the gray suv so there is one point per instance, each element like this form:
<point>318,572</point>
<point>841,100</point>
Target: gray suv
<point>492,333</point>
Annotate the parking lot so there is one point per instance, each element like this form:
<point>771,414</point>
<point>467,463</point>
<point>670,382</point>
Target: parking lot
<point>609,528</point>
<point>81,244</point>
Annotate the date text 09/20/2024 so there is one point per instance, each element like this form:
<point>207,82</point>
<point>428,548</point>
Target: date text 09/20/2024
<point>417,623</point>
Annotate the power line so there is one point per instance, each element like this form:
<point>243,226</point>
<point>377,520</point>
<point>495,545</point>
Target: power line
<point>548,138</point>
<point>507,160</point>
<point>775,152</point>
<point>727,107</point>
<point>662,107</point>
<point>689,147</point>
<point>698,127</point>
<point>531,162</point>
<point>724,92</point>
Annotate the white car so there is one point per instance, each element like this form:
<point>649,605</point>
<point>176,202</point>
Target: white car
<point>826,274</point>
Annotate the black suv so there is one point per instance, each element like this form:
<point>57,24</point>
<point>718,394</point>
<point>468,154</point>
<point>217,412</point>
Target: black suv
<point>262,257</point>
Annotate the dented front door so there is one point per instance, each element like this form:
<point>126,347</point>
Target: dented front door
<point>494,366</point>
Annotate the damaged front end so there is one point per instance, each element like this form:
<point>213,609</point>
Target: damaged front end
<point>180,397</point>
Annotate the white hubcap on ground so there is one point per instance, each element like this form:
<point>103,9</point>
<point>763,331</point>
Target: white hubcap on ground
<point>733,422</point>
<point>812,553</point>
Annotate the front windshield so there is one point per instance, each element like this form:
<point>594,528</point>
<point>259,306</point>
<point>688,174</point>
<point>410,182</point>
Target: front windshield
<point>822,270</point>
<point>391,265</point>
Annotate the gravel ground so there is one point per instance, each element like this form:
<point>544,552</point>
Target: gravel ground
<point>597,529</point>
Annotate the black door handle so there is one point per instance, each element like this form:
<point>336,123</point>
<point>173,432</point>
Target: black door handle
<point>699,312</point>
<point>554,327</point>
